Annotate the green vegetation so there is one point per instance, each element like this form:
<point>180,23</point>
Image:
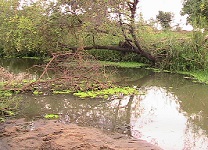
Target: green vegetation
<point>105,93</point>
<point>62,91</point>
<point>41,28</point>
<point>36,92</point>
<point>165,18</point>
<point>51,116</point>
<point>197,76</point>
<point>124,64</point>
<point>8,104</point>
<point>48,30</point>
<point>197,11</point>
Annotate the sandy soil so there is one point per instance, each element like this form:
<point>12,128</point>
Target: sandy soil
<point>53,135</point>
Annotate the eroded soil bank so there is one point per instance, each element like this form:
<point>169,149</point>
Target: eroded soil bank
<point>53,135</point>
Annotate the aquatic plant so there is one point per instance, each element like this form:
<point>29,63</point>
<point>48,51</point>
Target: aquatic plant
<point>105,93</point>
<point>51,116</point>
<point>62,91</point>
<point>200,76</point>
<point>36,92</point>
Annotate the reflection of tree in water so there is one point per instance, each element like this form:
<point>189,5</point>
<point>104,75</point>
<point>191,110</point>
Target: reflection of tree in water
<point>111,115</point>
<point>161,103</point>
<point>193,97</point>
<point>194,137</point>
<point>19,65</point>
<point>118,115</point>
<point>127,76</point>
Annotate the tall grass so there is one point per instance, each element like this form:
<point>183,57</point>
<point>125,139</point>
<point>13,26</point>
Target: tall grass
<point>176,50</point>
<point>186,54</point>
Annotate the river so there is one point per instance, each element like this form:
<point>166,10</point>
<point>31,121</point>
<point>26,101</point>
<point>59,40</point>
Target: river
<point>170,111</point>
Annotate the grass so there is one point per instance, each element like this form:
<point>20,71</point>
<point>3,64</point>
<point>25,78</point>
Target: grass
<point>200,75</point>
<point>51,116</point>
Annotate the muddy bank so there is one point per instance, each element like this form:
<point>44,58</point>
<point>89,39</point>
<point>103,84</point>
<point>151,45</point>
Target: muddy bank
<point>53,135</point>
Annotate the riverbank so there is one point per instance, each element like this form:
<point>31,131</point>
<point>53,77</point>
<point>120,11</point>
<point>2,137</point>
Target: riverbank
<point>53,135</point>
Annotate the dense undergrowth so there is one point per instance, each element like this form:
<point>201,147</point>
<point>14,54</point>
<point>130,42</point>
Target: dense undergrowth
<point>176,51</point>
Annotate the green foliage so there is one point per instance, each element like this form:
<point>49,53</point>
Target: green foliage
<point>197,76</point>
<point>107,92</point>
<point>36,92</point>
<point>197,11</point>
<point>51,116</point>
<point>42,28</point>
<point>62,91</point>
<point>186,54</point>
<point>35,29</point>
<point>5,94</point>
<point>183,50</point>
<point>164,18</point>
<point>19,30</point>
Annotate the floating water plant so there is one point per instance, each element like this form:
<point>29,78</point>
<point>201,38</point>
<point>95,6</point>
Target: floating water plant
<point>5,93</point>
<point>200,76</point>
<point>2,119</point>
<point>62,92</point>
<point>51,116</point>
<point>107,92</point>
<point>37,92</point>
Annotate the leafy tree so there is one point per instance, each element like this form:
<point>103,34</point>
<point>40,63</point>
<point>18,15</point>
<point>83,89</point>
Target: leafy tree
<point>19,28</point>
<point>164,18</point>
<point>197,11</point>
<point>45,27</point>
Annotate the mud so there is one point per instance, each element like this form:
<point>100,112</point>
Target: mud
<point>54,135</point>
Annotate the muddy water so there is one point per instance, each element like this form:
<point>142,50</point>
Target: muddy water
<point>170,112</point>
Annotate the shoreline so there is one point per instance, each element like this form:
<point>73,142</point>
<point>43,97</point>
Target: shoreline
<point>53,135</point>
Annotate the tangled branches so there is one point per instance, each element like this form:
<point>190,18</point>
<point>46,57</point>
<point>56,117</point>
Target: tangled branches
<point>68,71</point>
<point>73,71</point>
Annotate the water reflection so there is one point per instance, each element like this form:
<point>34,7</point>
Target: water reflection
<point>20,65</point>
<point>162,122</point>
<point>156,116</point>
<point>172,113</point>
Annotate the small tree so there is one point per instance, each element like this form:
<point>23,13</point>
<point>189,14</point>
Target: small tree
<point>164,18</point>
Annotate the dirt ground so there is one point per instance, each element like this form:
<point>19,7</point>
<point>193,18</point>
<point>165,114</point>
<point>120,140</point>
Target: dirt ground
<point>53,135</point>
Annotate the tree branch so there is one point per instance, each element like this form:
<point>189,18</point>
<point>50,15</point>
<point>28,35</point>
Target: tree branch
<point>131,48</point>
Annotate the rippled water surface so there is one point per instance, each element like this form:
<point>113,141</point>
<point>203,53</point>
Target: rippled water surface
<point>170,111</point>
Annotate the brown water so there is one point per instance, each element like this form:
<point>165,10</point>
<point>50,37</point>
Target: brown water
<point>171,112</point>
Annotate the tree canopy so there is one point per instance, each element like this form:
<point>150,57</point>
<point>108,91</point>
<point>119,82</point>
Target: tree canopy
<point>43,27</point>
<point>197,11</point>
<point>164,18</point>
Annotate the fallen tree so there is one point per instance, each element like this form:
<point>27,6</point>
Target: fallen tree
<point>125,12</point>
<point>117,48</point>
<point>39,27</point>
